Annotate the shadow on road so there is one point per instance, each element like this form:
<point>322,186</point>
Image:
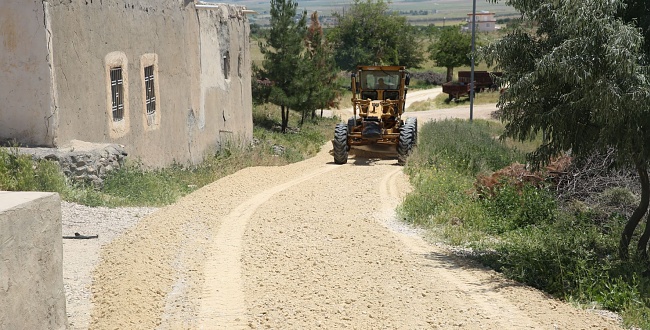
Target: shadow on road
<point>450,261</point>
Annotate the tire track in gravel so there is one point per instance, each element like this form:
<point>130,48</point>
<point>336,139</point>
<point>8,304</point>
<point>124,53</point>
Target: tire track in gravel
<point>152,276</point>
<point>388,189</point>
<point>482,294</point>
<point>496,301</point>
<point>303,246</point>
<point>222,303</point>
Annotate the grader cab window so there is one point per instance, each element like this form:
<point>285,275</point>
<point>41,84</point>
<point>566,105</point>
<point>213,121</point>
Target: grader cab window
<point>379,80</point>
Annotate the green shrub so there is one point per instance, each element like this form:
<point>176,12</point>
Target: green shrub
<point>134,186</point>
<point>443,167</point>
<point>469,147</point>
<point>570,257</point>
<point>21,173</point>
<point>49,177</point>
<point>637,315</point>
<point>435,193</point>
<point>568,250</point>
<point>511,207</point>
<point>617,197</point>
<point>16,171</point>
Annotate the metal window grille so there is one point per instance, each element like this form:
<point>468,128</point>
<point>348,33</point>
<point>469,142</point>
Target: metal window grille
<point>149,90</point>
<point>117,93</point>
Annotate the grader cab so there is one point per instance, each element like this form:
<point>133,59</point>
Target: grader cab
<point>378,101</point>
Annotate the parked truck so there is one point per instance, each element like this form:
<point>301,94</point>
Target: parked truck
<point>483,80</point>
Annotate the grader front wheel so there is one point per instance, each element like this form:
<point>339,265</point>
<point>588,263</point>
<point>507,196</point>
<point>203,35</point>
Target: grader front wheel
<point>340,144</point>
<point>414,121</point>
<point>406,142</point>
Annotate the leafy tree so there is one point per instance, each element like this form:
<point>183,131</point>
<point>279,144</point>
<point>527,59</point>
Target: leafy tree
<point>319,75</point>
<point>283,57</point>
<point>578,78</point>
<point>638,13</point>
<point>370,34</point>
<point>451,50</point>
<point>260,85</point>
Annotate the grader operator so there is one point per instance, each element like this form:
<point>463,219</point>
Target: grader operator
<point>378,101</point>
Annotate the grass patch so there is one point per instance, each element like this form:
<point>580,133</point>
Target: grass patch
<point>422,105</point>
<point>21,173</point>
<point>133,185</point>
<point>523,232</point>
<point>470,148</point>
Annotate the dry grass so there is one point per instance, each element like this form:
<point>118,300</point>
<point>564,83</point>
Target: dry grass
<point>256,54</point>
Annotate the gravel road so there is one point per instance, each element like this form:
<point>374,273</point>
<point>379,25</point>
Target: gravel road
<point>481,111</point>
<point>303,246</point>
<point>81,256</point>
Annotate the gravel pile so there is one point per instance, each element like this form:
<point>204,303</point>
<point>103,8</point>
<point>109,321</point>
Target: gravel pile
<point>80,256</point>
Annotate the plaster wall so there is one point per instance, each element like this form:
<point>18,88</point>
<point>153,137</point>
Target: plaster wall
<point>90,37</point>
<point>183,44</point>
<point>31,261</point>
<point>27,111</point>
<point>226,99</point>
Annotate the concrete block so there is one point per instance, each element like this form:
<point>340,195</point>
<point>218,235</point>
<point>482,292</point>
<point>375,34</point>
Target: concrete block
<point>31,261</point>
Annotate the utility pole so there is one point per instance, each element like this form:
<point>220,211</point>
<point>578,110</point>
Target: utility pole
<point>471,78</point>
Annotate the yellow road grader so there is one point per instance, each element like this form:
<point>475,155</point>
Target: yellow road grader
<point>378,101</point>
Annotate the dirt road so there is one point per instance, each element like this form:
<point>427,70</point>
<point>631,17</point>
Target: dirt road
<point>482,111</point>
<point>305,246</point>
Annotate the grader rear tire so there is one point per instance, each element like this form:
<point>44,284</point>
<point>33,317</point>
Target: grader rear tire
<point>406,142</point>
<point>340,144</point>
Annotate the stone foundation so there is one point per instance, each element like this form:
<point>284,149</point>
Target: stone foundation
<point>83,162</point>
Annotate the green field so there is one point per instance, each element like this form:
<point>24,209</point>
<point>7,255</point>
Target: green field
<point>438,12</point>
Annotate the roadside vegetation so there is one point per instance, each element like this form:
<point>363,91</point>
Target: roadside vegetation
<point>531,233</point>
<point>18,172</point>
<point>134,185</point>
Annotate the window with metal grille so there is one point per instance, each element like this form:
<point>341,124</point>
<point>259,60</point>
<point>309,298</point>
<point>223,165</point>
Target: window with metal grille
<point>117,93</point>
<point>150,91</point>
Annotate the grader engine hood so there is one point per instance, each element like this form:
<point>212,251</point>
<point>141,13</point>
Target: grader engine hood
<point>379,109</point>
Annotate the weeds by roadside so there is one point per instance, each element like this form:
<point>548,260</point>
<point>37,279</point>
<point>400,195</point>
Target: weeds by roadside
<point>134,185</point>
<point>20,172</point>
<point>526,233</point>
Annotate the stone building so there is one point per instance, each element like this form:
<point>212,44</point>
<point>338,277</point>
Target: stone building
<point>168,79</point>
